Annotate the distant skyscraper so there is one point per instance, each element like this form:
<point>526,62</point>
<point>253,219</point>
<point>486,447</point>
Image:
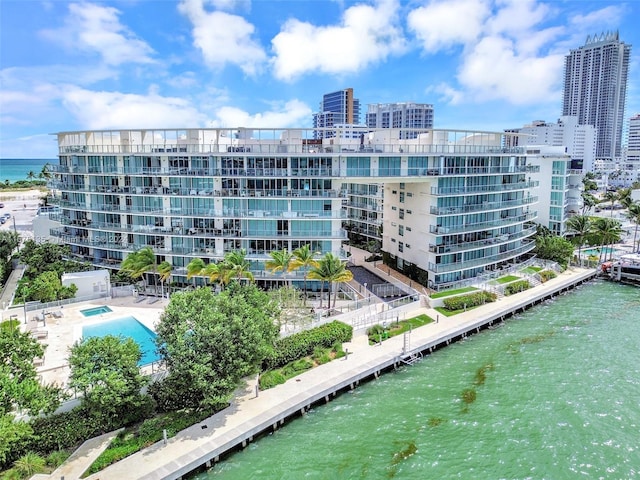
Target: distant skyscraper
<point>633,144</point>
<point>595,88</point>
<point>401,115</point>
<point>336,108</point>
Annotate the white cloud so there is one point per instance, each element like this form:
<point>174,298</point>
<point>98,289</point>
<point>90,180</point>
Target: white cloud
<point>493,70</point>
<point>223,38</point>
<point>606,17</point>
<point>441,24</point>
<point>293,113</point>
<point>366,35</point>
<point>447,93</point>
<point>32,146</point>
<point>97,29</point>
<point>103,110</point>
<point>506,55</point>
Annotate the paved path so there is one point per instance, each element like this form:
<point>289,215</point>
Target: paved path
<point>249,413</point>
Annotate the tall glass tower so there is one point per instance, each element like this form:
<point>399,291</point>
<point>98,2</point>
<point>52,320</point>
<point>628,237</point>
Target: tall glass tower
<point>336,108</point>
<point>595,88</point>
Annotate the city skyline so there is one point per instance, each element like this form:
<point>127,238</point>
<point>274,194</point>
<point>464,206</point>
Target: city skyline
<point>120,64</point>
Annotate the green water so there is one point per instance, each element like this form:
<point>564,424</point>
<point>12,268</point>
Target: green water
<point>557,396</point>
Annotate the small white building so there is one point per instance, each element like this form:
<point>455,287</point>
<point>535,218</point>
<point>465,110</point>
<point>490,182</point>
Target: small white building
<point>92,283</point>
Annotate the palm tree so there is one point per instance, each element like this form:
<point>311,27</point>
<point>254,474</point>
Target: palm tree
<point>633,214</point>
<point>137,263</point>
<point>304,258</point>
<point>588,201</point>
<point>580,226</point>
<point>164,273</point>
<point>610,197</point>
<point>624,197</point>
<point>194,268</point>
<point>45,173</point>
<point>280,261</point>
<point>31,175</point>
<point>607,231</point>
<point>331,270</point>
<point>237,266</point>
<point>213,272</point>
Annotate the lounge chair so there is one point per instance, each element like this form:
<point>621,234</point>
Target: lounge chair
<point>141,298</point>
<point>38,362</point>
<point>40,334</point>
<point>57,314</point>
<point>154,300</point>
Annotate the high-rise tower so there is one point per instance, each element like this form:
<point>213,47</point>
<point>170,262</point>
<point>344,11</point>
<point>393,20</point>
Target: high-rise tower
<point>336,108</point>
<point>595,87</point>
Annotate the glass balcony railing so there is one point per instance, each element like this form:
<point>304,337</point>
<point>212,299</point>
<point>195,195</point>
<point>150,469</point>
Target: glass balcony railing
<point>452,267</point>
<point>481,207</point>
<point>523,185</point>
<point>502,222</point>
<point>485,243</point>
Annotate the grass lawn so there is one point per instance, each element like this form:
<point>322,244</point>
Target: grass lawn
<point>505,279</point>
<point>450,313</point>
<point>531,270</point>
<point>398,328</point>
<point>456,291</point>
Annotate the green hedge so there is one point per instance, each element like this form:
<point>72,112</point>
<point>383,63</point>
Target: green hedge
<point>69,429</point>
<point>302,344</point>
<point>517,287</point>
<point>547,275</point>
<point>470,300</point>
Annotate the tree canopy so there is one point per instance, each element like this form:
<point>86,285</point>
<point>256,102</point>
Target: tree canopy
<point>105,369</point>
<point>209,342</point>
<point>554,248</point>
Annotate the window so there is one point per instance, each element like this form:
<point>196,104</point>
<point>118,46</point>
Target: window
<point>401,213</point>
<point>408,212</point>
<point>394,208</point>
<point>408,230</point>
<point>401,230</point>
<point>394,192</point>
<point>393,240</point>
<point>400,247</point>
<point>407,245</point>
<point>401,197</point>
<point>402,186</point>
<point>409,194</point>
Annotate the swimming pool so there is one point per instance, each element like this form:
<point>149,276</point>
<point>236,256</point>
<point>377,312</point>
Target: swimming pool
<point>596,251</point>
<point>127,327</point>
<point>91,312</point>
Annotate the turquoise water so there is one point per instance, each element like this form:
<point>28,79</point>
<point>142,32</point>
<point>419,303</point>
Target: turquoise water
<point>91,312</point>
<point>14,169</point>
<point>596,251</point>
<point>127,327</point>
<point>557,396</point>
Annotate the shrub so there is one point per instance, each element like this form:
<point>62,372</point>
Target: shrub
<point>546,275</point>
<point>57,458</point>
<point>271,379</point>
<point>296,367</point>
<point>321,355</point>
<point>375,330</point>
<point>516,287</point>
<point>301,344</point>
<point>29,464</point>
<point>470,300</point>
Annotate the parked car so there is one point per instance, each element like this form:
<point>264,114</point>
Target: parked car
<point>7,215</point>
<point>1,205</point>
<point>2,220</point>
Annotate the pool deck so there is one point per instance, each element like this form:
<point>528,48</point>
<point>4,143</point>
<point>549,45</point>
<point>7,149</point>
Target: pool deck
<point>59,334</point>
<point>249,415</point>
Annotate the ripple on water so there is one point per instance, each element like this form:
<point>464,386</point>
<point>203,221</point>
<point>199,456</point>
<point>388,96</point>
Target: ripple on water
<point>560,400</point>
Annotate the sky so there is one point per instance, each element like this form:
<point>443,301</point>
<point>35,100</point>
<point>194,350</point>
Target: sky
<point>483,64</point>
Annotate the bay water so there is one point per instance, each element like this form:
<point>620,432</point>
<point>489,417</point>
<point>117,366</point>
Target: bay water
<point>554,393</point>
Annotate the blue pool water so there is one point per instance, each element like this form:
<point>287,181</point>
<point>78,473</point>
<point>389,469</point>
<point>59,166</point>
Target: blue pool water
<point>127,327</point>
<point>90,312</point>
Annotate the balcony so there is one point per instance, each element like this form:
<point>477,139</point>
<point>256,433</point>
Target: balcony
<point>486,243</point>
<point>482,207</point>
<point>452,267</point>
<point>523,185</point>
<point>502,222</point>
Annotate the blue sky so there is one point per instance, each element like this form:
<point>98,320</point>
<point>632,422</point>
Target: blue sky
<point>483,64</point>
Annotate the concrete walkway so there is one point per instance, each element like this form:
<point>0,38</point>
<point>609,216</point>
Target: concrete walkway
<point>249,415</point>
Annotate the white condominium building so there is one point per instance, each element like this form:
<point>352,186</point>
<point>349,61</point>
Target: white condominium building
<point>455,202</point>
<point>406,115</point>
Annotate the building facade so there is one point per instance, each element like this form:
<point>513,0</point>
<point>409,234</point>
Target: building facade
<point>595,88</point>
<point>579,140</point>
<point>456,202</point>
<point>336,108</point>
<point>410,116</point>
